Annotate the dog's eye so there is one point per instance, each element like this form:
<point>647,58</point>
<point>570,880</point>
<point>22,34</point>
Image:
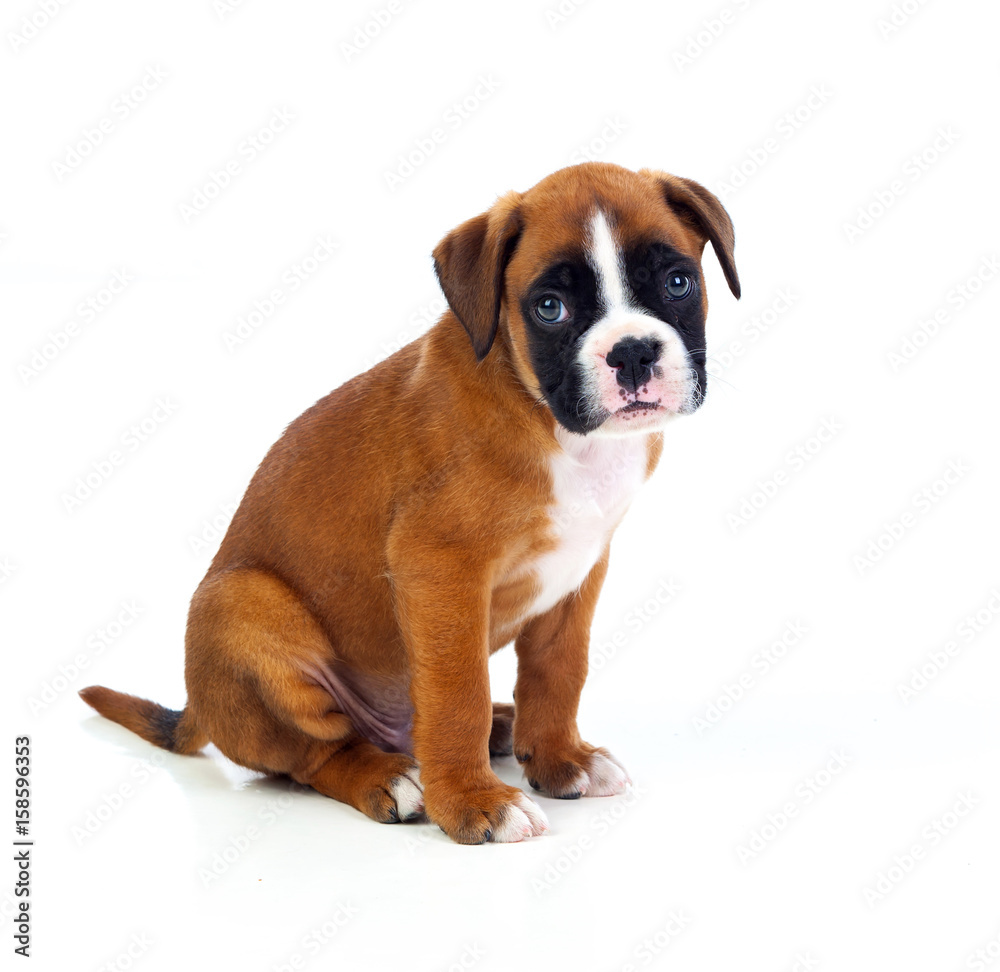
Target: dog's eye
<point>551,310</point>
<point>678,285</point>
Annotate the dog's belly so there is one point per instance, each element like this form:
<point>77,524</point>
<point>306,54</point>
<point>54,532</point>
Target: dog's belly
<point>379,707</point>
<point>594,481</point>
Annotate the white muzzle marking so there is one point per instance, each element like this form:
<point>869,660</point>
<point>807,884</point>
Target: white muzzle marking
<point>671,387</point>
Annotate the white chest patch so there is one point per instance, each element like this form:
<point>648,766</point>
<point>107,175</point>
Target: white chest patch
<point>594,480</point>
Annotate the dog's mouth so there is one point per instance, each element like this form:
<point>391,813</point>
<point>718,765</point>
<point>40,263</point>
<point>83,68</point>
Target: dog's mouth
<point>638,406</point>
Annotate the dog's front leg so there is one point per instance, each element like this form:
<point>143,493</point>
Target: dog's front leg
<point>551,669</point>
<point>442,600</point>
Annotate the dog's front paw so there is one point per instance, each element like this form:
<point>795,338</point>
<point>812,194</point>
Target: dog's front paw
<point>568,774</point>
<point>500,813</point>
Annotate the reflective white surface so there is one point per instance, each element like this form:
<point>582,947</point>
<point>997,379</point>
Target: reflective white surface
<point>200,865</point>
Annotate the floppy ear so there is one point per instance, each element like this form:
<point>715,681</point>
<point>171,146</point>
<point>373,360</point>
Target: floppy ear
<point>703,212</point>
<point>470,263</point>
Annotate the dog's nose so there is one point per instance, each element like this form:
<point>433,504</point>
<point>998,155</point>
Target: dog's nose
<point>633,359</point>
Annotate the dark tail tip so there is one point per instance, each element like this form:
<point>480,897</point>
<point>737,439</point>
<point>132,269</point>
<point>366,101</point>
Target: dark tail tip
<point>167,728</point>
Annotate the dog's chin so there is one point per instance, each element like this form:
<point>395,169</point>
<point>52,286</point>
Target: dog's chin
<point>636,418</point>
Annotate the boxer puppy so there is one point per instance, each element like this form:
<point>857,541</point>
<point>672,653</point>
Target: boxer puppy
<point>458,496</point>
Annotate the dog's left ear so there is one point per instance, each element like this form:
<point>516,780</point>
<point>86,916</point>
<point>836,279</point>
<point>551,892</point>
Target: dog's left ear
<point>703,212</point>
<point>470,263</point>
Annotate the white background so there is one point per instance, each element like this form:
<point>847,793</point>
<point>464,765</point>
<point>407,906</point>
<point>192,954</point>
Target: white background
<point>603,81</point>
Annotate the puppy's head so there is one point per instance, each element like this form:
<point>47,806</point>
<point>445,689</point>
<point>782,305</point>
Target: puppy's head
<point>594,275</point>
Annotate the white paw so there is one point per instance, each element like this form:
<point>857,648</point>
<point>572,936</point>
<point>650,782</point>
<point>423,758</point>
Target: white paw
<point>408,795</point>
<point>523,818</point>
<point>605,776</point>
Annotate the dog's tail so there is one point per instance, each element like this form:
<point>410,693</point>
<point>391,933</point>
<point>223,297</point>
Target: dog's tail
<point>163,727</point>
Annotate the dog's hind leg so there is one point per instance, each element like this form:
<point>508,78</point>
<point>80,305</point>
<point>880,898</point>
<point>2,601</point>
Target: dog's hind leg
<point>385,786</point>
<point>502,730</point>
<point>252,654</point>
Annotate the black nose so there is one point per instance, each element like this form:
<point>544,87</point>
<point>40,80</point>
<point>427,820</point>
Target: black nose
<point>633,358</point>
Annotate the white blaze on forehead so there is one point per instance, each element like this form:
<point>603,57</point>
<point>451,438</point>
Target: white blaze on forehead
<point>670,384</point>
<point>605,257</point>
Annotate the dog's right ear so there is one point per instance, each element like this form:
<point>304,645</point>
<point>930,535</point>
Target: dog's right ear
<point>703,212</point>
<point>470,263</point>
